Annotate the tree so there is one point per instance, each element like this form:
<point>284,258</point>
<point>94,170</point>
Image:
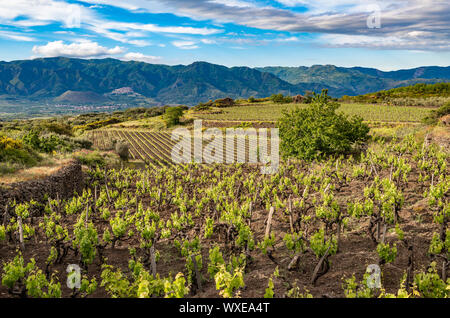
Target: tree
<point>280,99</point>
<point>172,116</point>
<point>122,149</point>
<point>317,131</point>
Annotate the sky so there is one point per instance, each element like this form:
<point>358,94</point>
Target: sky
<point>388,35</point>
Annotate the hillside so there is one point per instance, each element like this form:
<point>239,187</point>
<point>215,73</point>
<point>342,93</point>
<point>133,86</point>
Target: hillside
<point>138,83</point>
<point>191,84</point>
<point>80,97</point>
<point>358,80</point>
<point>419,94</point>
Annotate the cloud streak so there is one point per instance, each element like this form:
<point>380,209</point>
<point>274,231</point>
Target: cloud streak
<point>405,24</point>
<point>348,17</point>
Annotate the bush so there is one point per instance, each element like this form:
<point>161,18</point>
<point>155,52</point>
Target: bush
<point>122,149</point>
<point>91,159</point>
<point>82,143</point>
<point>224,102</point>
<point>201,107</point>
<point>59,128</point>
<point>172,116</point>
<point>53,142</point>
<point>280,99</point>
<point>318,131</point>
<point>308,98</point>
<point>15,155</point>
<point>434,116</point>
<point>97,124</point>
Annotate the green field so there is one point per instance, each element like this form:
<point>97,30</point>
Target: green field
<point>272,112</point>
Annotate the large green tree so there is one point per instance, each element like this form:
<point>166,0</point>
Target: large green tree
<point>318,131</point>
<point>173,115</point>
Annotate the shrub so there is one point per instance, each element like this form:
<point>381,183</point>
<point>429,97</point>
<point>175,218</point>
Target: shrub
<point>201,107</point>
<point>82,143</point>
<point>15,155</point>
<point>280,99</point>
<point>317,131</point>
<point>91,159</point>
<point>52,142</point>
<point>59,128</point>
<point>224,102</point>
<point>122,149</point>
<point>434,116</point>
<point>172,116</point>
<point>98,124</point>
<point>308,98</point>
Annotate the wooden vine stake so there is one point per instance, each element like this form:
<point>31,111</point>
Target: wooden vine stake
<point>153,260</point>
<point>291,222</point>
<point>269,222</point>
<point>86,219</point>
<point>106,187</point>
<point>5,215</point>
<point>197,273</point>
<point>19,223</point>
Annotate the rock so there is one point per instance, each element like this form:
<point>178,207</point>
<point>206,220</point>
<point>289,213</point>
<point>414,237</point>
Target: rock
<point>445,120</point>
<point>298,99</point>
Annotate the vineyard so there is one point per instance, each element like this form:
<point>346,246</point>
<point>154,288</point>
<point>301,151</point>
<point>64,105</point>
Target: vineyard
<point>156,147</point>
<point>309,230</point>
<point>268,111</point>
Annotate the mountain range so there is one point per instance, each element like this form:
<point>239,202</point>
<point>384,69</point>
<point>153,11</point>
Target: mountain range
<point>72,80</point>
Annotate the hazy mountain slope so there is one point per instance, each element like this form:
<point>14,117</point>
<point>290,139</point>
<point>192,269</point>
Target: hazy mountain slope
<point>189,84</point>
<point>358,80</point>
<point>48,78</point>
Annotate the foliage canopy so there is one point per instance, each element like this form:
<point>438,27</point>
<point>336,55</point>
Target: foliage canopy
<point>317,131</point>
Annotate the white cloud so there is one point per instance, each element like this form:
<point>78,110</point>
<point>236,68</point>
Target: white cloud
<point>16,36</point>
<point>41,12</point>
<point>185,45</point>
<point>135,56</point>
<point>406,42</point>
<point>124,26</point>
<point>289,39</point>
<point>208,41</point>
<point>27,13</point>
<point>404,20</point>
<point>140,43</point>
<point>341,17</point>
<point>80,49</point>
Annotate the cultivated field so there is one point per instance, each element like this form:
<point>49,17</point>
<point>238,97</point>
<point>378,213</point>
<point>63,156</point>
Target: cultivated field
<point>272,112</point>
<point>308,230</point>
<point>157,147</point>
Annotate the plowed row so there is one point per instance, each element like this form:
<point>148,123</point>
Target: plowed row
<point>157,147</point>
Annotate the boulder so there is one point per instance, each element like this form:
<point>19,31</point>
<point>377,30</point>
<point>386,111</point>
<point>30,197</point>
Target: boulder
<point>298,99</point>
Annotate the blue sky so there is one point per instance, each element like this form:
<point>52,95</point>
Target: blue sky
<point>390,34</point>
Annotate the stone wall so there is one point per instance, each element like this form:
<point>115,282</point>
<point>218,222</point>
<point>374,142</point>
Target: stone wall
<point>62,183</point>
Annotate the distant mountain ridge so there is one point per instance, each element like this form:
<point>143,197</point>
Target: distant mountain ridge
<point>78,80</point>
<point>191,84</point>
<point>358,80</point>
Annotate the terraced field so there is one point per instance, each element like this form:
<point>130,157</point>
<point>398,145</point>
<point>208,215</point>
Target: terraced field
<point>157,147</point>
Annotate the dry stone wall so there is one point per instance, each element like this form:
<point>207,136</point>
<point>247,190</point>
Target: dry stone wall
<point>62,184</point>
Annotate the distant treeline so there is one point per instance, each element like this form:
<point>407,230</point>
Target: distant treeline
<point>418,95</point>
